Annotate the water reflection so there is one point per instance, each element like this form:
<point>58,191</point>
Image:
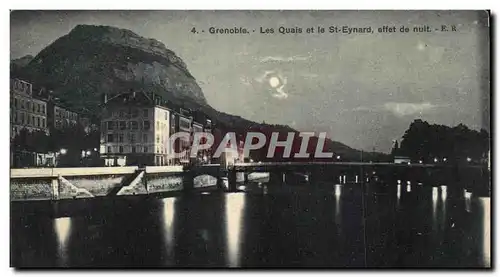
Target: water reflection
<point>444,193</point>
<point>168,227</point>
<point>486,209</point>
<point>235,204</point>
<point>62,228</point>
<point>434,206</point>
<point>467,197</point>
<point>398,194</point>
<point>338,193</point>
<point>443,207</point>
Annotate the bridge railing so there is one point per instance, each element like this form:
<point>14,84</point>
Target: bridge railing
<point>70,171</point>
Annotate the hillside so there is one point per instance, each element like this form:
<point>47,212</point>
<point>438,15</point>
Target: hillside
<point>91,60</point>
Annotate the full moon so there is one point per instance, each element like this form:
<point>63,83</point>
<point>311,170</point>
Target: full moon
<point>274,82</point>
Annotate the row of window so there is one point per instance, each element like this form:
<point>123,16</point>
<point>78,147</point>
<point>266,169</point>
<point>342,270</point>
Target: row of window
<point>127,113</point>
<point>62,113</point>
<point>26,119</point>
<point>28,105</point>
<point>17,129</point>
<point>22,86</point>
<point>133,149</point>
<point>59,123</point>
<point>131,125</point>
<point>131,137</point>
<point>126,125</point>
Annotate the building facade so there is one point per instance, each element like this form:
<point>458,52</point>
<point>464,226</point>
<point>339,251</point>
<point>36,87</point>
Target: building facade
<point>135,130</point>
<point>59,116</point>
<point>27,111</point>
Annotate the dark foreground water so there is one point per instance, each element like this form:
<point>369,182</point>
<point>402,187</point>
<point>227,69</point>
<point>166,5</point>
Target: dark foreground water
<point>266,226</point>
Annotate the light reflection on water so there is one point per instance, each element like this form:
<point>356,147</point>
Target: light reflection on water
<point>235,204</point>
<point>486,209</point>
<point>467,197</point>
<point>338,194</point>
<point>62,226</point>
<point>168,226</point>
<point>444,193</point>
<point>434,207</point>
<point>398,194</point>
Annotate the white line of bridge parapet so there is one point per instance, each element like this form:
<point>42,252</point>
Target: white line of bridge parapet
<point>70,171</point>
<point>267,164</point>
<point>165,169</point>
<point>316,163</point>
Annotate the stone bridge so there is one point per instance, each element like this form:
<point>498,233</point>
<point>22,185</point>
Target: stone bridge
<point>71,183</point>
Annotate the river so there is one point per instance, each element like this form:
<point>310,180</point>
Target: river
<point>264,225</point>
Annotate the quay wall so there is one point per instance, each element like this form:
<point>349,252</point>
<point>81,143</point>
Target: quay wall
<point>72,183</point>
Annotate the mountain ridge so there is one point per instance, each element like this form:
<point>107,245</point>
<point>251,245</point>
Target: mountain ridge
<point>91,60</point>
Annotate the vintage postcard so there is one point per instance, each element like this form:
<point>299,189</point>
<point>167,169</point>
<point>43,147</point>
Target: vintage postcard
<point>250,139</point>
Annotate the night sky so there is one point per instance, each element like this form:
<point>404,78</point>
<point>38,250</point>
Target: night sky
<point>363,89</point>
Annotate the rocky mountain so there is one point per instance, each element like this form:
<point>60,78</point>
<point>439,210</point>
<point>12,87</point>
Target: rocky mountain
<point>21,62</point>
<point>91,60</point>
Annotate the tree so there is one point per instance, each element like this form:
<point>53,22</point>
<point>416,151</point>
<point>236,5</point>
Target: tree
<point>425,141</point>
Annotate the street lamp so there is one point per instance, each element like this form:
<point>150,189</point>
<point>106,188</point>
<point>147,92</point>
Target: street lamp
<point>88,153</point>
<point>444,159</point>
<point>63,151</point>
<point>435,160</point>
<point>338,157</point>
<point>469,159</point>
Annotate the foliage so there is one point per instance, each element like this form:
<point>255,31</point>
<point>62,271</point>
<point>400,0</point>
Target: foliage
<point>424,141</point>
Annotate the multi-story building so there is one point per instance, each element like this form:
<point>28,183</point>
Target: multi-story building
<point>135,130</point>
<point>60,116</point>
<point>28,111</point>
<point>184,121</point>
